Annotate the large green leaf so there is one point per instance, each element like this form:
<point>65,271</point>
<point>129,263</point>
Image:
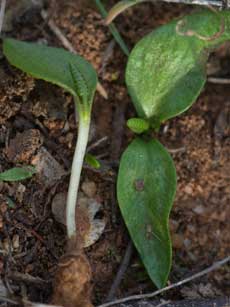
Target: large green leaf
<point>55,65</point>
<point>146,188</point>
<point>166,69</point>
<point>17,174</point>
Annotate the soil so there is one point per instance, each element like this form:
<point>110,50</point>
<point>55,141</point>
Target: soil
<point>38,124</point>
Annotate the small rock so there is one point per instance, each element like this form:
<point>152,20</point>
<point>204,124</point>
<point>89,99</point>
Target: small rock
<point>96,226</point>
<point>47,167</point>
<point>188,190</point>
<point>6,246</point>
<point>173,225</point>
<point>187,243</point>
<point>199,209</point>
<point>15,242</point>
<point>177,241</point>
<point>90,228</point>
<point>58,208</point>
<point>89,188</point>
<point>20,192</point>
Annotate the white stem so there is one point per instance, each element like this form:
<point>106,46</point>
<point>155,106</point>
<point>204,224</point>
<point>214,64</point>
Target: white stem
<point>2,13</point>
<point>78,159</point>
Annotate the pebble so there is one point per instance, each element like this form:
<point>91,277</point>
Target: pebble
<point>198,209</point>
<point>177,240</point>
<point>89,188</point>
<point>15,242</point>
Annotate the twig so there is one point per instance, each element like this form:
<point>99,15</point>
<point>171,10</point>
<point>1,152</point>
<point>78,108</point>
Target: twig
<point>2,13</point>
<point>67,44</point>
<point>219,80</point>
<point>97,143</point>
<point>217,3</point>
<point>107,56</point>
<point>27,278</point>
<point>8,300</point>
<point>176,150</point>
<point>215,266</point>
<point>121,271</point>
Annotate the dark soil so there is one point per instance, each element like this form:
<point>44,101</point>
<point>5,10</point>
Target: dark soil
<point>38,122</point>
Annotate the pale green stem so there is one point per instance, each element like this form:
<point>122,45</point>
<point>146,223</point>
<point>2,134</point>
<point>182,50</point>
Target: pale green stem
<point>2,13</point>
<point>78,160</point>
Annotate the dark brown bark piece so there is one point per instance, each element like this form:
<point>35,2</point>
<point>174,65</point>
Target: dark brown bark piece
<point>24,145</point>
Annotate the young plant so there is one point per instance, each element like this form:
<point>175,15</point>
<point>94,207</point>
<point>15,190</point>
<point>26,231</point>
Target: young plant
<point>76,76</point>
<point>165,74</point>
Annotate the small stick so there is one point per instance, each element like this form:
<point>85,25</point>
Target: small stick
<point>97,143</point>
<point>215,266</point>
<point>2,13</point>
<point>27,278</point>
<point>8,300</point>
<point>67,44</point>
<point>121,271</point>
<point>196,2</point>
<point>107,56</point>
<point>219,80</point>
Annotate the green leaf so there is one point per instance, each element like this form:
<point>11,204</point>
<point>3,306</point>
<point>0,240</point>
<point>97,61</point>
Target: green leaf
<point>56,65</point>
<point>120,7</point>
<point>10,202</point>
<point>166,69</point>
<point>138,125</point>
<point>92,161</point>
<point>17,174</point>
<point>146,189</point>
<point>118,38</point>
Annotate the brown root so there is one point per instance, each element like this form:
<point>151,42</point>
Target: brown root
<point>72,284</point>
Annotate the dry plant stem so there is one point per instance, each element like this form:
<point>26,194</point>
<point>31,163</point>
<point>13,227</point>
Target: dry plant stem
<point>77,164</point>
<point>217,3</point>
<point>219,80</point>
<point>215,266</point>
<point>2,13</point>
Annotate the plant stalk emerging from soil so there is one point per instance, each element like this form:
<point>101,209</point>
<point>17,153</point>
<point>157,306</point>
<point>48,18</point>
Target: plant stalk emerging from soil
<point>2,13</point>
<point>78,159</point>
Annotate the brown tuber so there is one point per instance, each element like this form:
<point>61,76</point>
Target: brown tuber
<point>72,284</point>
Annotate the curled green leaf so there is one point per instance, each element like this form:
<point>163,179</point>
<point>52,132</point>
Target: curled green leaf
<point>138,125</point>
<point>92,161</point>
<point>120,7</point>
<point>146,188</point>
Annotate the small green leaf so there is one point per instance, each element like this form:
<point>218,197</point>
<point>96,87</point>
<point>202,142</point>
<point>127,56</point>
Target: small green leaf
<point>17,174</point>
<point>56,65</point>
<point>10,202</point>
<point>146,189</point>
<point>166,69</point>
<point>92,161</point>
<point>113,28</point>
<point>120,7</point>
<point>138,125</point>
